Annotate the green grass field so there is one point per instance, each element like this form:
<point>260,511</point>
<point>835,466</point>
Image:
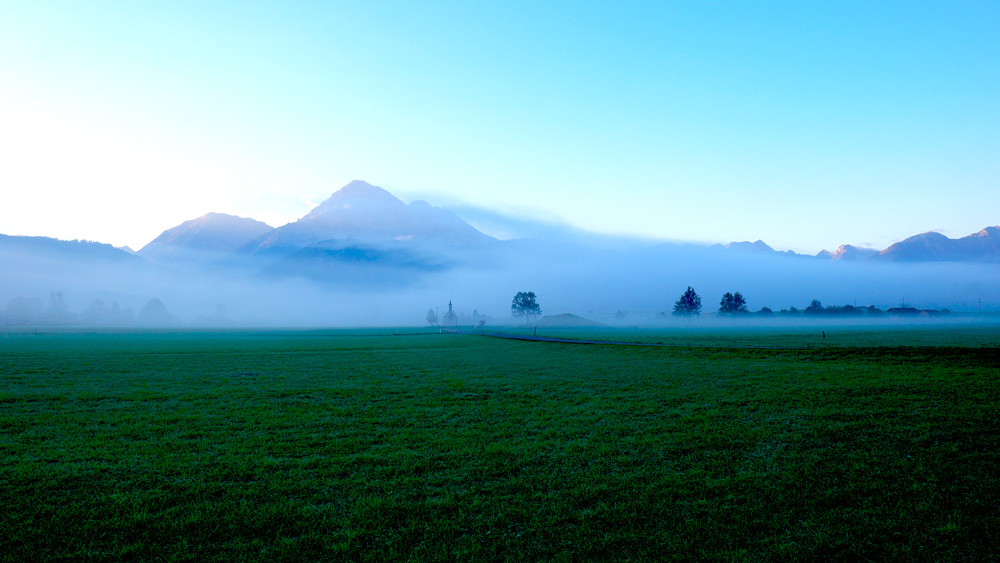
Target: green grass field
<point>365,446</point>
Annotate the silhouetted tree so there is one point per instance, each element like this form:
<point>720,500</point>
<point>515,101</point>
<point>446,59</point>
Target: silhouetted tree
<point>432,318</point>
<point>732,304</point>
<point>814,308</point>
<point>524,305</point>
<point>154,313</point>
<point>688,305</point>
<point>97,314</point>
<point>24,310</point>
<point>57,312</point>
<point>765,312</point>
<point>121,316</point>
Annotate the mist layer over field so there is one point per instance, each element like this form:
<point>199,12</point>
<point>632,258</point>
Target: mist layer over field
<point>641,282</point>
<point>591,282</point>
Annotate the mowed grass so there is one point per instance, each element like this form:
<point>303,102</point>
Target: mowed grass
<point>811,333</point>
<point>337,446</point>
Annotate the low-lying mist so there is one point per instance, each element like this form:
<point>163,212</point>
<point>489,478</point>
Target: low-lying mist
<point>628,285</point>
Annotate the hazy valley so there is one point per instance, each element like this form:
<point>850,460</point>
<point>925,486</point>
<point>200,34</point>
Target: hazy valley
<point>363,257</point>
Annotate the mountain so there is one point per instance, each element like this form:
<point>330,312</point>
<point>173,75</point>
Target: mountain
<point>203,240</point>
<point>747,246</point>
<point>757,247</point>
<point>353,262</point>
<point>370,215</point>
<point>42,264</point>
<point>37,249</point>
<point>983,246</point>
<point>850,252</point>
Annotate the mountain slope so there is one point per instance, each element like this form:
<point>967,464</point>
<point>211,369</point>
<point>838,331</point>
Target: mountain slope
<point>369,214</point>
<point>38,265</point>
<point>851,252</point>
<point>363,226</point>
<point>983,246</point>
<point>70,251</point>
<point>202,240</point>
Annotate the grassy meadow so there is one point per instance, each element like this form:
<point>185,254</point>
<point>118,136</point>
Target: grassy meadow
<point>372,446</point>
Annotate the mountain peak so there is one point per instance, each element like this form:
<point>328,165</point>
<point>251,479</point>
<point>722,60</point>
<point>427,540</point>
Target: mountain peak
<point>993,231</point>
<point>851,252</point>
<point>747,246</point>
<point>207,236</point>
<point>359,189</point>
<point>931,246</point>
<point>359,197</point>
<point>369,215</point>
<point>215,220</point>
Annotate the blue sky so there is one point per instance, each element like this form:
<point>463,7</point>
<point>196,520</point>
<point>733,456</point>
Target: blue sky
<point>804,124</point>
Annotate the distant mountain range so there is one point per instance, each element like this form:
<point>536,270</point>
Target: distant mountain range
<point>983,246</point>
<point>362,230</point>
<point>363,256</point>
<point>358,229</point>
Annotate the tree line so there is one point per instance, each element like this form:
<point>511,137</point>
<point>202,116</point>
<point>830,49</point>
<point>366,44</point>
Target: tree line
<point>734,304</point>
<point>32,311</point>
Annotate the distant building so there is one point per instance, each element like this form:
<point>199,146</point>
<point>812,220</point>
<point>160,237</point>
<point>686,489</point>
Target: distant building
<point>450,318</point>
<point>912,312</point>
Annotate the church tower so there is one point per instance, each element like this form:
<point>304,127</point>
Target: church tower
<point>450,318</point>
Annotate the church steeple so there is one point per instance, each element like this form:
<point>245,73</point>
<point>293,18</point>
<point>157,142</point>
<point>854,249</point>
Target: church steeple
<point>450,318</point>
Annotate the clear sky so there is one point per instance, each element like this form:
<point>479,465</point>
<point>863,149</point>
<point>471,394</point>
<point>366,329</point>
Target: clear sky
<point>805,124</point>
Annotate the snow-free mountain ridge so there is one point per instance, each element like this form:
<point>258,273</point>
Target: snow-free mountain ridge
<point>366,251</point>
<point>364,227</point>
<point>207,238</point>
<point>983,246</point>
<point>371,216</point>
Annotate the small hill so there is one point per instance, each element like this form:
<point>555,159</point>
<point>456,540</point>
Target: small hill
<point>567,320</point>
